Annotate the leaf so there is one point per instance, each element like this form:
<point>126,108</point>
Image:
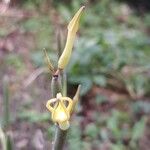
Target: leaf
<point>9,143</point>
<point>85,81</point>
<point>113,124</point>
<point>91,130</point>
<point>74,137</point>
<point>138,129</point>
<point>6,140</point>
<point>118,146</point>
<point>34,116</point>
<point>100,98</point>
<point>3,139</point>
<point>100,80</point>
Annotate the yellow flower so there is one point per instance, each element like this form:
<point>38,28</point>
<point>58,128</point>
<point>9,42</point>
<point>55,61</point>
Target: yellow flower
<point>72,29</point>
<point>61,109</point>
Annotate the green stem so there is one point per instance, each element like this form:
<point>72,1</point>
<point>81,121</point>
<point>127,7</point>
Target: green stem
<point>6,103</point>
<point>5,138</point>
<point>60,135</point>
<point>64,83</point>
<point>56,86</point>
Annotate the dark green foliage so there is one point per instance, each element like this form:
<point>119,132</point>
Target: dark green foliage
<point>112,51</point>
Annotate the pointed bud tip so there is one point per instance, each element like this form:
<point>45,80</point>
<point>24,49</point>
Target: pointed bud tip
<point>83,7</point>
<point>77,94</point>
<point>79,88</point>
<point>50,66</point>
<point>73,25</point>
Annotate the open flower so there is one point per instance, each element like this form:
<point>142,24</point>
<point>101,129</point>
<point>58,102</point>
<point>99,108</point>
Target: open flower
<point>61,109</point>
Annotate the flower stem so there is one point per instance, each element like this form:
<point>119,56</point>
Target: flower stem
<point>60,135</point>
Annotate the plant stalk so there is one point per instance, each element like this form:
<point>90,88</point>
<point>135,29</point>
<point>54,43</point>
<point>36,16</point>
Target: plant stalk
<point>60,135</point>
<point>6,112</point>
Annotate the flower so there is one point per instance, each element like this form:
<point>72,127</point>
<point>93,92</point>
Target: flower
<point>61,109</point>
<point>72,29</point>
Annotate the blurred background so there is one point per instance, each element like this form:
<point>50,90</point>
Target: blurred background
<point>110,60</point>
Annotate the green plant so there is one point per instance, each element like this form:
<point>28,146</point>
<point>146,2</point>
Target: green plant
<point>61,107</point>
<point>5,138</point>
<point>110,62</point>
<point>6,141</point>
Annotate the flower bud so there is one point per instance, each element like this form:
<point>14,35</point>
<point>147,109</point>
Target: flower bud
<point>76,98</point>
<point>72,29</point>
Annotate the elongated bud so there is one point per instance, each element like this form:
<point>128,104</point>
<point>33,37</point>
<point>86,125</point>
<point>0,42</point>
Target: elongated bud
<point>76,98</point>
<point>72,29</point>
<point>50,66</point>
